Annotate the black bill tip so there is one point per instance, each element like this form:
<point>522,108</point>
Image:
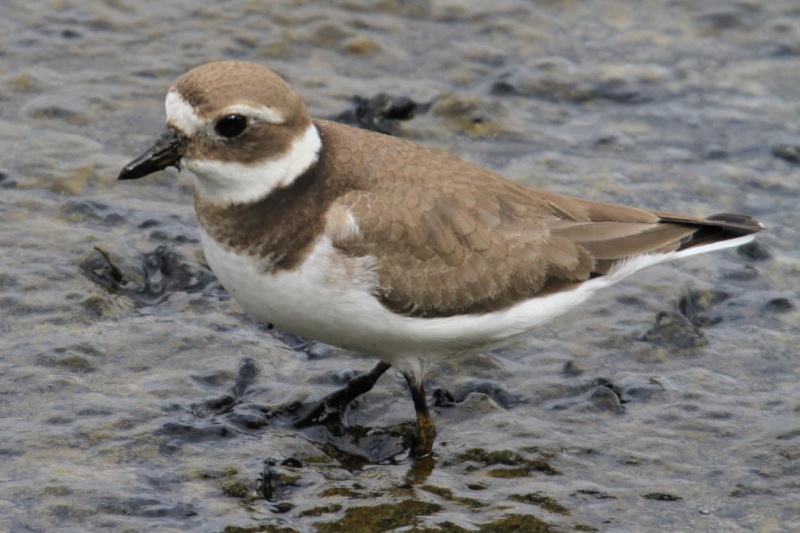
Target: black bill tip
<point>166,152</point>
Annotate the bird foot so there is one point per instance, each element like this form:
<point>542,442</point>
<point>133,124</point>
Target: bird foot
<point>330,410</point>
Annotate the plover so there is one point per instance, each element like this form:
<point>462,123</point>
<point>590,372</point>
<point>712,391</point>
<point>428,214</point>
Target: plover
<point>386,247</point>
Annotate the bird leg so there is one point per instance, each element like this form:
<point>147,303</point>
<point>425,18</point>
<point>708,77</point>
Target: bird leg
<point>422,443</point>
<point>330,409</point>
<point>335,403</point>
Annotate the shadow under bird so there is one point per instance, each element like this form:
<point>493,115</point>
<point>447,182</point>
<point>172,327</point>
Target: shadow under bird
<point>386,247</point>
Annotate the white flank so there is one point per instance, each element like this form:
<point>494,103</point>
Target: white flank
<point>329,299</point>
<point>231,182</point>
<point>181,115</point>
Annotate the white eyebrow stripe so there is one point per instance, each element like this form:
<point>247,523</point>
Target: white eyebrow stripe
<point>263,113</point>
<point>181,114</point>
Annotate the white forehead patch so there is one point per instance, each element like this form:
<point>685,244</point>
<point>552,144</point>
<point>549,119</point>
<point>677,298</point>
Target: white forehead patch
<point>181,115</point>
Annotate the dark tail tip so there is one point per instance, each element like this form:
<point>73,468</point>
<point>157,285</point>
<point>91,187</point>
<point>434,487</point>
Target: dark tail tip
<point>718,228</point>
<point>741,224</point>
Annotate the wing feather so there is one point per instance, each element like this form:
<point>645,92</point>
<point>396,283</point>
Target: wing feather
<point>447,243</point>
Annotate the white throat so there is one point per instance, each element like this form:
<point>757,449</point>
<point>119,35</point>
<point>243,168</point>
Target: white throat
<point>231,182</point>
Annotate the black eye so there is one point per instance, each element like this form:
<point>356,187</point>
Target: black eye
<point>231,126</point>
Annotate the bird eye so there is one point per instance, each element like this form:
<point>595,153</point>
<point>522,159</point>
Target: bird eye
<point>231,126</point>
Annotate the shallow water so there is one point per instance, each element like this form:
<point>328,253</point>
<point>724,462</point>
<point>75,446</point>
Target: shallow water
<point>156,404</point>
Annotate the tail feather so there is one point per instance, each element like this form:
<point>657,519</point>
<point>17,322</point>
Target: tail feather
<point>744,223</point>
<point>716,228</point>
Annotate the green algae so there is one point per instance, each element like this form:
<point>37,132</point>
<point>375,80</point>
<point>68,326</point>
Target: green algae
<point>447,494</point>
<point>545,502</point>
<point>522,467</point>
<point>376,518</point>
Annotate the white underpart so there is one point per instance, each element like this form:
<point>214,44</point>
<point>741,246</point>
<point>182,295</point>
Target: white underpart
<point>322,300</point>
<point>232,182</point>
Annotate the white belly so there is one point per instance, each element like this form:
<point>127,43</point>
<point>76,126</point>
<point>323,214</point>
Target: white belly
<point>319,300</point>
<point>328,299</point>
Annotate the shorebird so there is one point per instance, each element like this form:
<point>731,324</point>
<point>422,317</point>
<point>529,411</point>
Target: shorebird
<point>385,247</point>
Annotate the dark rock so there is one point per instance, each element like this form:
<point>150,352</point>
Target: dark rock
<point>558,80</point>
<point>496,391</point>
<point>165,272</point>
<point>503,87</point>
<point>149,223</point>
<point>604,398</point>
<point>78,358</point>
<point>638,392</point>
<point>443,398</point>
<point>247,419</point>
<point>695,303</point>
<point>599,495</point>
<point>745,273</point>
<point>92,211</point>
<point>716,152</point>
<point>381,113</point>
<point>754,250</point>
<point>344,376</point>
<point>145,507</point>
<point>717,21</point>
<point>6,182</point>
<point>317,350</point>
<point>571,368</point>
<point>598,395</point>
<point>703,320</point>
<point>273,485</point>
<point>222,403</point>
<point>779,305</point>
<point>200,432</point>
<point>674,331</point>
<point>787,152</point>
<point>661,497</point>
<point>214,379</point>
<point>248,372</point>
